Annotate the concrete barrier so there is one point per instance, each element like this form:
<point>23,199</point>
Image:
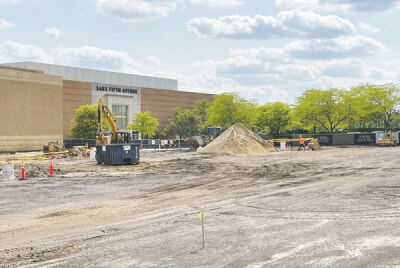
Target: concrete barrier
<point>324,139</point>
<point>343,139</point>
<point>365,139</point>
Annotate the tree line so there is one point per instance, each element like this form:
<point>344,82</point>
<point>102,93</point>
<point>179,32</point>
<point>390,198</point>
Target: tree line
<point>315,110</point>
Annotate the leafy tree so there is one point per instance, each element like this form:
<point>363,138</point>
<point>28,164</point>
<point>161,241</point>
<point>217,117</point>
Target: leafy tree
<point>274,117</point>
<point>229,108</point>
<point>183,123</point>
<point>386,100</point>
<point>325,109</point>
<point>363,109</point>
<point>84,124</point>
<point>200,110</point>
<point>145,124</point>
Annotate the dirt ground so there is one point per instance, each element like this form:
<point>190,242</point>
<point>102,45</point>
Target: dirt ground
<point>339,207</point>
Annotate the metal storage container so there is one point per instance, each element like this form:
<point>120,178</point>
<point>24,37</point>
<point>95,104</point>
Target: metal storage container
<point>118,154</point>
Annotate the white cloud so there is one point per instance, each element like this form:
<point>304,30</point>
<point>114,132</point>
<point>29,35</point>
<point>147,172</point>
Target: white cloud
<point>218,3</point>
<point>292,24</point>
<point>144,10</point>
<point>339,5</point>
<point>154,60</point>
<point>367,28</point>
<point>356,46</point>
<point>9,1</point>
<point>52,31</point>
<point>262,73</point>
<point>5,24</point>
<point>278,70</point>
<point>85,56</point>
<point>12,51</point>
<point>94,57</point>
<point>137,10</point>
<point>345,68</point>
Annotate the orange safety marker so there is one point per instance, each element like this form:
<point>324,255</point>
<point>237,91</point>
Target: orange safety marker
<point>51,168</point>
<point>22,171</point>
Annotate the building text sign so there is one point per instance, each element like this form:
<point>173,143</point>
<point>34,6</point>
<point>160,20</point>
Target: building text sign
<point>116,89</point>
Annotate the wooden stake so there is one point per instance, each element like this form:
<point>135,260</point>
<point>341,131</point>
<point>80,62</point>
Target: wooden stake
<point>202,227</point>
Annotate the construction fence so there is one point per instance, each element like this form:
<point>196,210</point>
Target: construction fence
<point>367,139</point>
<point>162,144</point>
<point>145,144</point>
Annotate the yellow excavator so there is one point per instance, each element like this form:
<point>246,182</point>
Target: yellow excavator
<point>103,111</point>
<point>116,136</point>
<point>117,148</point>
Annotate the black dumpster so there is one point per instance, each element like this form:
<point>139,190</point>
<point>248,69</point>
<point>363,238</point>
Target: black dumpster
<point>118,154</point>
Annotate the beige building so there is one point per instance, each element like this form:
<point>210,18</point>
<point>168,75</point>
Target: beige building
<point>38,101</point>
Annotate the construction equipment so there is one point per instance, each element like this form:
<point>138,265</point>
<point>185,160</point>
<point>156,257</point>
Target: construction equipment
<point>214,132</point>
<point>51,147</point>
<point>103,111</point>
<point>387,141</point>
<point>117,148</point>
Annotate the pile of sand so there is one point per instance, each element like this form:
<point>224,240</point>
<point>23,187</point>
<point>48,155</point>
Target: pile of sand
<point>238,140</point>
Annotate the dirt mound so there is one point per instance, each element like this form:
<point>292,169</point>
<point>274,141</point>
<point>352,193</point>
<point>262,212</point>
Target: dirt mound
<point>314,145</point>
<point>238,140</point>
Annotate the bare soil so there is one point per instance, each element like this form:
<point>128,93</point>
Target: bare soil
<point>338,207</point>
<point>238,140</point>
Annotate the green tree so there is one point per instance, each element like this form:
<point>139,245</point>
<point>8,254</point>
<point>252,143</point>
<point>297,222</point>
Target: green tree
<point>386,100</point>
<point>84,124</point>
<point>362,106</point>
<point>324,109</point>
<point>145,124</point>
<point>274,117</point>
<point>200,110</point>
<point>229,108</point>
<point>183,124</point>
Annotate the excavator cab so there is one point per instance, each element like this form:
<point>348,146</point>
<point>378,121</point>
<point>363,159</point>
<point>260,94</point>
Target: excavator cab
<point>214,132</point>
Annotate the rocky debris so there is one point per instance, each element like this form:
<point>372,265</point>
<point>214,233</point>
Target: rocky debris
<point>76,151</point>
<point>195,142</point>
<point>238,140</point>
<point>314,145</point>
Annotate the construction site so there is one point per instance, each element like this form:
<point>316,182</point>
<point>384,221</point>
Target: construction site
<point>237,202</point>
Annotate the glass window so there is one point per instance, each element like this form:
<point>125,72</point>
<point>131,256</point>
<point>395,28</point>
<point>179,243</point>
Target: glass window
<point>120,113</point>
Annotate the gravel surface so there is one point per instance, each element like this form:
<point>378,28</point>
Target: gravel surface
<point>338,207</point>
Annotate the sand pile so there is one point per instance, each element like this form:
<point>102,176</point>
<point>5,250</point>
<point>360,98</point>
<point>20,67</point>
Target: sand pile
<point>238,140</point>
<point>314,145</point>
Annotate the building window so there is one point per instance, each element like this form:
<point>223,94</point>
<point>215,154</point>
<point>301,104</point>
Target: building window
<point>120,113</point>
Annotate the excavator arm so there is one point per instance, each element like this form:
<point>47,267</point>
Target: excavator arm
<point>103,111</point>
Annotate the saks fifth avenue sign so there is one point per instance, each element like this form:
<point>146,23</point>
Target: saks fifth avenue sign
<point>116,89</point>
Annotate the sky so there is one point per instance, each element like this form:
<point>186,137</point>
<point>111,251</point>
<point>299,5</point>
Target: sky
<point>266,50</point>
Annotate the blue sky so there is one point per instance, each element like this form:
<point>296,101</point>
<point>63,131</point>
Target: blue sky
<point>265,50</point>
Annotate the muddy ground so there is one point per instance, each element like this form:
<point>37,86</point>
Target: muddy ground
<point>339,207</point>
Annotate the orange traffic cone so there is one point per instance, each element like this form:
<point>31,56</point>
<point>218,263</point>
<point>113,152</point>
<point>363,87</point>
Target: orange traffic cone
<point>51,169</point>
<point>22,171</point>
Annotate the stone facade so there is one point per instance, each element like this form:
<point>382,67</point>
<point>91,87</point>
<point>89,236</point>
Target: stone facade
<point>75,94</point>
<point>31,109</point>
